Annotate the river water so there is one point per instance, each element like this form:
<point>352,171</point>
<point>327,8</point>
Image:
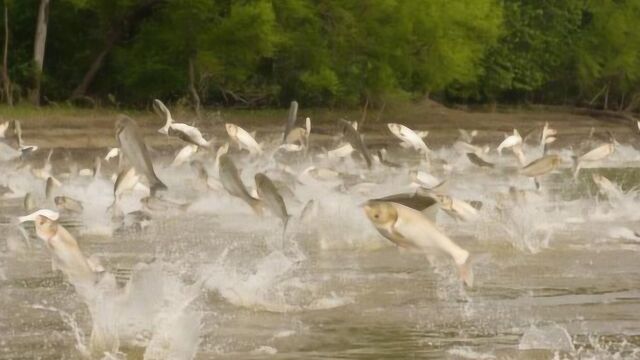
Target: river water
<point>556,276</point>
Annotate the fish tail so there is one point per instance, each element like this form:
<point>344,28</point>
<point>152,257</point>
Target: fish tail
<point>466,273</point>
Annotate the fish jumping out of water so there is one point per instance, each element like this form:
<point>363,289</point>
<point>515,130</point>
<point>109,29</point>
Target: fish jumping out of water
<point>230,179</point>
<point>410,229</point>
<point>299,136</point>
<point>426,204</point>
<point>271,198</point>
<point>291,120</point>
<point>409,137</point>
<point>355,140</point>
<point>478,161</point>
<point>135,151</point>
<point>66,254</point>
<point>510,141</point>
<point>65,203</point>
<point>184,155</point>
<point>541,166</point>
<point>599,153</point>
<point>188,133</point>
<point>456,208</point>
<point>244,140</point>
<point>125,181</point>
<point>606,187</point>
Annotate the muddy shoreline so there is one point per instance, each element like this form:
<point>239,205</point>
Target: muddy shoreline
<point>93,129</point>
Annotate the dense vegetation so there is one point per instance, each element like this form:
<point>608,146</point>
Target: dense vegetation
<point>323,52</point>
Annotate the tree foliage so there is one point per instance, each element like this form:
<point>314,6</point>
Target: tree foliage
<point>333,52</point>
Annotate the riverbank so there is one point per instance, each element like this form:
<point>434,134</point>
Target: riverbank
<point>71,127</point>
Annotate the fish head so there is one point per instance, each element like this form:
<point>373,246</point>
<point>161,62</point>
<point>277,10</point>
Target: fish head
<point>59,200</point>
<point>160,106</point>
<point>381,213</point>
<point>394,128</point>
<point>597,178</point>
<point>232,129</point>
<point>45,221</point>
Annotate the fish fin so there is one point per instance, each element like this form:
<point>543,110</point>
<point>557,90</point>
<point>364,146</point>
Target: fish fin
<point>157,186</point>
<point>284,229</point>
<point>184,207</point>
<point>210,144</point>
<point>285,224</point>
<point>256,205</point>
<point>466,273</point>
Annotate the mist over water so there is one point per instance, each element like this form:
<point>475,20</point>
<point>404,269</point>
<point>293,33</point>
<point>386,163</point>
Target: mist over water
<point>556,272</point>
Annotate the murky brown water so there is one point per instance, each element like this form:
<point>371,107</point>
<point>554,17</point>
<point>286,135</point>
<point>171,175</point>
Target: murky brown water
<point>558,274</point>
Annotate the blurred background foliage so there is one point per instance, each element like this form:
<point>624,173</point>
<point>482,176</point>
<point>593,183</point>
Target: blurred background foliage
<point>264,53</point>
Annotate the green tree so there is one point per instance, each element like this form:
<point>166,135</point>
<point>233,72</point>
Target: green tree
<point>608,55</point>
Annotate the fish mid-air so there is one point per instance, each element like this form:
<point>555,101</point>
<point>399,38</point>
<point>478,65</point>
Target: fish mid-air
<point>541,166</point>
<point>65,203</point>
<point>135,151</point>
<point>478,161</point>
<point>188,133</point>
<point>510,141</point>
<point>243,139</point>
<point>596,154</point>
<point>456,208</point>
<point>291,120</point>
<point>426,204</point>
<point>230,179</point>
<point>355,140</point>
<point>299,136</point>
<point>410,229</point>
<point>271,198</point>
<point>125,181</point>
<point>66,254</point>
<point>409,137</point>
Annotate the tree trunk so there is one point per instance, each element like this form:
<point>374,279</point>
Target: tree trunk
<point>6,82</point>
<point>82,88</point>
<point>116,32</point>
<point>192,86</point>
<point>38,49</point>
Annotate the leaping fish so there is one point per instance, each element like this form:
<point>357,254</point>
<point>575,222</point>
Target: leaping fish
<point>271,198</point>
<point>409,137</point>
<point>188,133</point>
<point>66,254</point>
<point>510,141</point>
<point>355,139</point>
<point>409,228</point>
<point>135,151</point>
<point>599,153</point>
<point>241,137</point>
<point>230,179</point>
